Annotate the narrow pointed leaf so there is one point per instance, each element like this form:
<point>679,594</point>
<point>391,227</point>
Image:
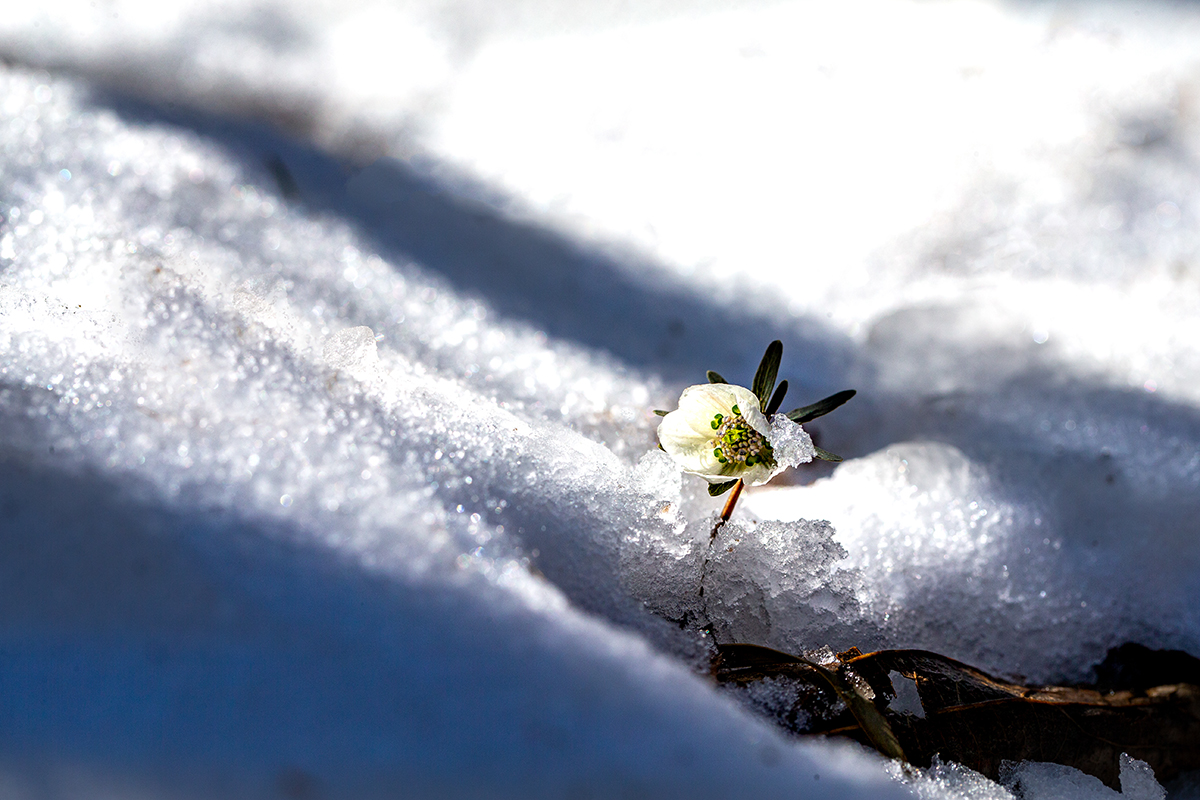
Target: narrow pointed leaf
<point>776,399</point>
<point>714,377</point>
<point>768,368</point>
<point>718,489</point>
<point>660,412</point>
<point>821,407</point>
<point>825,455</point>
<point>872,721</point>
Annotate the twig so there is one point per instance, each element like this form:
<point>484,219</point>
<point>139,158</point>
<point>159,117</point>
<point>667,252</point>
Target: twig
<point>727,512</point>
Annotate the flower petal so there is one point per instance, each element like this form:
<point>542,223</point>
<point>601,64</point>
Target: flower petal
<point>680,438</point>
<point>752,412</point>
<point>695,455</point>
<point>701,403</point>
<point>755,417</point>
<point>758,474</point>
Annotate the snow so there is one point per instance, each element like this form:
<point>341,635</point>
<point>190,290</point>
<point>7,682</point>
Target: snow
<point>792,444</point>
<point>330,334</point>
<point>1050,781</point>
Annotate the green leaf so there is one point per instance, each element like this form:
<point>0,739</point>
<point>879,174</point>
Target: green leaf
<point>714,377</point>
<point>768,368</point>
<point>660,412</point>
<point>821,407</point>
<point>776,399</point>
<point>825,455</point>
<point>718,489</point>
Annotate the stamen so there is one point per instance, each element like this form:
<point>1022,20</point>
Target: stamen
<point>741,444</point>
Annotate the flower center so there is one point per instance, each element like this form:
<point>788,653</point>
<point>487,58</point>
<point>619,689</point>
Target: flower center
<point>735,441</point>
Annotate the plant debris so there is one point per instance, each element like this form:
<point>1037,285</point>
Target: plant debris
<point>1145,703</point>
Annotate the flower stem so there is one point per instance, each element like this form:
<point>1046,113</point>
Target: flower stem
<point>727,512</point>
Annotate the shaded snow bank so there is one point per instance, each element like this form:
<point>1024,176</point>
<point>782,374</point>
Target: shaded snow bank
<point>247,534</point>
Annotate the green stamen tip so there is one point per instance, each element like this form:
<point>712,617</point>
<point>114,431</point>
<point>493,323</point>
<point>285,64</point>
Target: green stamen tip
<point>738,444</point>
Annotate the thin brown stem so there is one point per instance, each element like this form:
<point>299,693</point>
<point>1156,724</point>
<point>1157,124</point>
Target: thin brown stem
<point>734,494</point>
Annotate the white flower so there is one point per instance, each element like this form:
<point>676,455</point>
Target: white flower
<point>720,433</point>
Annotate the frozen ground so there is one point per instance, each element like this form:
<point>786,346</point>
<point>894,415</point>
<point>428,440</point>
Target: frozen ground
<point>330,335</point>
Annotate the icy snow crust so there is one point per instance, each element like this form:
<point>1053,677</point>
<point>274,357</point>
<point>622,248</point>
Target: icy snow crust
<point>323,479</point>
<point>246,534</point>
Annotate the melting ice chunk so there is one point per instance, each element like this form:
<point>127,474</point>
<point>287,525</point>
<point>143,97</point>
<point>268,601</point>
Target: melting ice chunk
<point>907,699</point>
<point>1041,781</point>
<point>793,446</point>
